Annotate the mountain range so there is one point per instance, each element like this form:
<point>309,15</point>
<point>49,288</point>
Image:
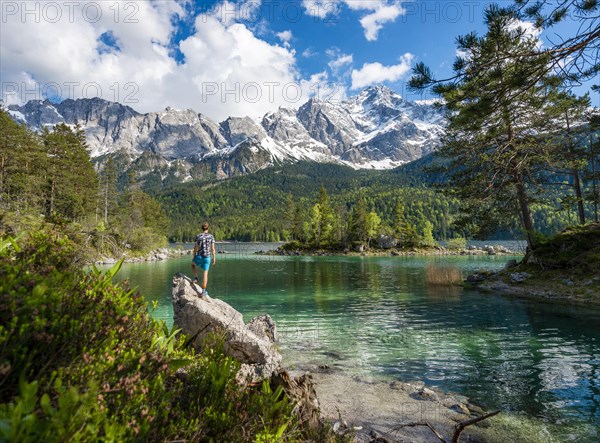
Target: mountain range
<point>375,129</point>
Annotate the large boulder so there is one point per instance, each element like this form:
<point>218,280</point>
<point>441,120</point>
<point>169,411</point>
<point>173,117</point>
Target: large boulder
<point>253,345</point>
<point>387,242</point>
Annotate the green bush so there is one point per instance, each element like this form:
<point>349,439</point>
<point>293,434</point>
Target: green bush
<point>81,360</point>
<point>144,240</point>
<point>457,244</point>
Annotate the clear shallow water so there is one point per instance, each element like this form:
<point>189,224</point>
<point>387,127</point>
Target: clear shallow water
<point>378,317</point>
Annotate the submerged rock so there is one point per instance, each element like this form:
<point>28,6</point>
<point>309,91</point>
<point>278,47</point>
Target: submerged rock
<point>476,278</point>
<point>253,344</point>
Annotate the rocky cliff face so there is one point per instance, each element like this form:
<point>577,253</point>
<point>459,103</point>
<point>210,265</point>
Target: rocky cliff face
<point>375,129</point>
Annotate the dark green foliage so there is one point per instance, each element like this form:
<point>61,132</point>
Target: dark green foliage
<point>22,167</point>
<point>81,360</point>
<point>259,206</point>
<point>576,52</point>
<point>71,184</point>
<point>108,189</point>
<point>50,177</point>
<point>504,130</point>
<point>576,248</point>
<point>322,220</point>
<point>357,230</point>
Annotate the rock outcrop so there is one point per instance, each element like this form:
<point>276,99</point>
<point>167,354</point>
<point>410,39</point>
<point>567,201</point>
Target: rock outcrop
<point>253,345</point>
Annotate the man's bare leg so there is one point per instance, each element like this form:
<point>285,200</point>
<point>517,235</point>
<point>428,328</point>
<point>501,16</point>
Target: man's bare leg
<point>204,280</point>
<point>195,270</point>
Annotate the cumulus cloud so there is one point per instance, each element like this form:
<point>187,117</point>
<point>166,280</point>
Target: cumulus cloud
<point>226,69</point>
<point>372,23</point>
<point>528,30</point>
<point>228,12</point>
<point>374,73</point>
<point>285,36</point>
<point>339,63</point>
<point>321,87</point>
<point>309,53</point>
<point>322,8</point>
<point>379,13</point>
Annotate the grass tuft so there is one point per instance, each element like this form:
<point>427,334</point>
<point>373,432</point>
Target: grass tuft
<point>443,275</point>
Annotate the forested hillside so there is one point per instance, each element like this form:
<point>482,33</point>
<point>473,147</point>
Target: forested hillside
<point>259,206</point>
<point>49,177</point>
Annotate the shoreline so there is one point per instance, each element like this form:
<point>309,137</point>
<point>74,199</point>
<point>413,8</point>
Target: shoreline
<point>160,254</point>
<point>548,290</point>
<point>400,252</point>
<point>369,409</point>
<point>167,253</point>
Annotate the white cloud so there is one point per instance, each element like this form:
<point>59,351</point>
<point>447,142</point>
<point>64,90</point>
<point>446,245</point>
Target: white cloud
<point>369,5</point>
<point>338,63</point>
<point>285,36</point>
<point>372,23</point>
<point>465,54</point>
<point>373,73</point>
<point>340,66</point>
<point>228,12</point>
<point>320,86</point>
<point>528,29</point>
<point>322,8</point>
<point>226,71</point>
<point>380,12</point>
<point>309,53</point>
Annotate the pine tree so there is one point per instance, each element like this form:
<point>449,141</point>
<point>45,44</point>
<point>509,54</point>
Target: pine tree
<point>427,237</point>
<point>400,224</point>
<point>358,221</point>
<point>322,219</point>
<point>372,223</point>
<point>108,188</point>
<point>567,140</point>
<point>592,155</point>
<point>293,218</point>
<point>71,181</point>
<point>22,166</point>
<point>492,140</point>
<point>575,53</point>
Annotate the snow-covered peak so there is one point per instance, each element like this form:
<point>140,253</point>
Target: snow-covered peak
<point>374,129</point>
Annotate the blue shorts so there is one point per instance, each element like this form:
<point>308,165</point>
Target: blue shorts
<point>203,262</point>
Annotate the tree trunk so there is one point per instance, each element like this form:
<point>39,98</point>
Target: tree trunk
<point>579,195</point>
<point>106,203</point>
<point>594,179</point>
<point>526,214</point>
<point>52,192</point>
<point>2,166</point>
<point>575,174</point>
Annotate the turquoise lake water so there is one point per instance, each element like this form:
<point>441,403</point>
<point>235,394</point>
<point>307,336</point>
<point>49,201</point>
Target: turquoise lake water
<point>378,317</point>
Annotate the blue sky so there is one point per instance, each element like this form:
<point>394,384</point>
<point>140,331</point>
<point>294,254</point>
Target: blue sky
<point>225,58</point>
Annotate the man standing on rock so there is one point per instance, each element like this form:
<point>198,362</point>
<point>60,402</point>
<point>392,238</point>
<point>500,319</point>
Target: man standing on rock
<point>203,249</point>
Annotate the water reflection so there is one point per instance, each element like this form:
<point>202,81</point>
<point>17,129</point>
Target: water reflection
<point>385,317</point>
